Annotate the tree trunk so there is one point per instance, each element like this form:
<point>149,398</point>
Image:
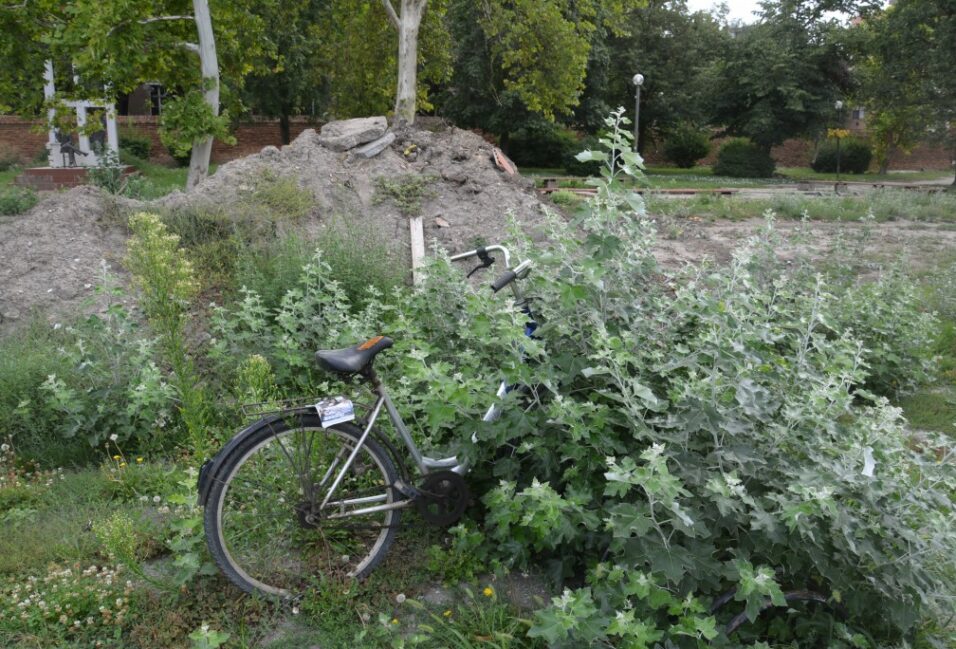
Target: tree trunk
<point>407,91</point>
<point>284,128</point>
<point>209,64</point>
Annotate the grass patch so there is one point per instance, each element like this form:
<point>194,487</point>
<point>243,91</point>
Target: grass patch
<point>155,180</point>
<point>7,176</point>
<point>885,205</point>
<point>934,406</point>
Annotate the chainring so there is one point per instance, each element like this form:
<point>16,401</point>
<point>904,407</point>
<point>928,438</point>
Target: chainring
<point>443,497</point>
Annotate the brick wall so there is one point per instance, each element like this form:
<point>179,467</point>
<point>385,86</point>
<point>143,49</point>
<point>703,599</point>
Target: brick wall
<point>18,138</point>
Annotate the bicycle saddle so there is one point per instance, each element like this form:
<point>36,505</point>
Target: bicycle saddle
<point>352,359</point>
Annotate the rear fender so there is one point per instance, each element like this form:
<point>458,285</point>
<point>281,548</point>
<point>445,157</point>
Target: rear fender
<point>209,470</point>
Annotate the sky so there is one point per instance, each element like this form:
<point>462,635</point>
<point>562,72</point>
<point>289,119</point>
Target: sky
<point>739,9</point>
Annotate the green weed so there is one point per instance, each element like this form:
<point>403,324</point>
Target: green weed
<point>406,192</point>
<point>16,200</point>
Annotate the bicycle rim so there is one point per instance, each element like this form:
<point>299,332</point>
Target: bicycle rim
<point>263,522</point>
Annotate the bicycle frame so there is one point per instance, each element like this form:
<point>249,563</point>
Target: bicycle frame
<point>424,464</point>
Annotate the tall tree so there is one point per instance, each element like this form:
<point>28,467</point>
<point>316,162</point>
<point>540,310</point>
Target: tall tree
<point>922,46</point>
<point>673,48</point>
<point>289,81</point>
<point>407,22</point>
<point>779,78</point>
<point>358,57</point>
<point>520,59</point>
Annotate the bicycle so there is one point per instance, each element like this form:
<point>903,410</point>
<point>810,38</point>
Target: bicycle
<point>270,530</point>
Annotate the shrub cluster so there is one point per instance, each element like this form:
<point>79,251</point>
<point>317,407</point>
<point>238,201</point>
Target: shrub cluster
<point>16,200</point>
<point>855,156</point>
<point>542,144</point>
<point>741,158</point>
<point>136,144</point>
<point>686,144</point>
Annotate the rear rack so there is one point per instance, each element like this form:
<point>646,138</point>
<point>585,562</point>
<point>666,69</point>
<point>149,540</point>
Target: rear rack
<point>286,406</point>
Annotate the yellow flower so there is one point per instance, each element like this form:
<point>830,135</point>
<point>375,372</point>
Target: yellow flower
<point>394,620</point>
<point>116,457</point>
<point>139,460</point>
<point>447,613</point>
<point>122,464</point>
<point>488,591</point>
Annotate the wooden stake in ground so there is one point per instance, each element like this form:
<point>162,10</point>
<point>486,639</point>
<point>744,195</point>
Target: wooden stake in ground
<point>418,247</point>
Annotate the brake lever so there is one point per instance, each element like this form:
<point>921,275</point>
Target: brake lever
<point>486,261</point>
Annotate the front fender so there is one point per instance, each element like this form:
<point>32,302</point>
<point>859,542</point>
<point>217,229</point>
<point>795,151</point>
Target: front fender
<point>211,467</point>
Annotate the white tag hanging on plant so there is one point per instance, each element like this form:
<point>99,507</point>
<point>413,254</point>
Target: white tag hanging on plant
<point>869,463</point>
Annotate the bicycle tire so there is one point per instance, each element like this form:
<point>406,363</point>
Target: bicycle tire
<point>230,495</point>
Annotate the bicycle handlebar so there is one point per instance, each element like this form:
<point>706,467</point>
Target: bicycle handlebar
<point>503,280</point>
<point>485,249</point>
<point>511,274</point>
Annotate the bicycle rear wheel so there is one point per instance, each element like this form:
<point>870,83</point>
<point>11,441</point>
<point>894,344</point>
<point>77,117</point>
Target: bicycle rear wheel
<point>262,519</point>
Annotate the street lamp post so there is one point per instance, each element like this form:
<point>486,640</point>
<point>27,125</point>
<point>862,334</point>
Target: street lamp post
<point>638,81</point>
<point>839,108</point>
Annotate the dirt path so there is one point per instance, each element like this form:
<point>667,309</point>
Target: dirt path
<point>924,247</point>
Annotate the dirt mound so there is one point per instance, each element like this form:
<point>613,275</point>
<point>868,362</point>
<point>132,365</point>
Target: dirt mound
<point>465,198</point>
<point>53,257</point>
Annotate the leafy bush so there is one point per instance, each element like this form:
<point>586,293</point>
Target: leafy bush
<point>108,172</point>
<point>9,161</point>
<point>137,144</point>
<point>542,144</point>
<point>741,158</point>
<point>94,381</point>
<point>575,167</point>
<point>16,200</point>
<point>686,144</point>
<point>855,156</point>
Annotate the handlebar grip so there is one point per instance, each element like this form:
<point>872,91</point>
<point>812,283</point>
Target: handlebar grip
<point>503,280</point>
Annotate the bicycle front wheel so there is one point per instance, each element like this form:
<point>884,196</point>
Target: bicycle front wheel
<point>264,523</point>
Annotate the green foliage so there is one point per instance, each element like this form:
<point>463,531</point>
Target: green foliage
<point>69,389</point>
<point>9,161</point>
<point>476,622</point>
<point>575,167</point>
<point>108,173</point>
<point>406,192</point>
<point>165,279</point>
<point>686,144</point>
<point>464,558</point>
<point>778,78</point>
<point>206,638</point>
<point>563,197</point>
<point>542,144</point>
<point>855,156</point>
<point>740,158</point>
<point>136,144</point>
<point>16,200</point>
<point>188,119</point>
<point>186,539</point>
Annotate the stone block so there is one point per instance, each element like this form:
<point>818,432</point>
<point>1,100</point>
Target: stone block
<point>347,134</point>
<point>374,147</point>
